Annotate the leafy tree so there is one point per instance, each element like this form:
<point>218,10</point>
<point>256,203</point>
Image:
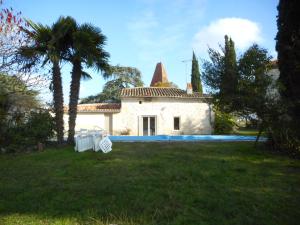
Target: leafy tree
<point>239,87</point>
<point>221,76</point>
<point>49,45</point>
<point>15,101</point>
<point>13,37</point>
<point>86,49</point>
<point>224,122</point>
<point>166,84</point>
<point>122,77</point>
<point>213,71</point>
<point>195,77</point>
<point>254,84</point>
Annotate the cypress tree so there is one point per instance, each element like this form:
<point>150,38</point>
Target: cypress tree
<point>229,78</point>
<point>286,129</point>
<point>195,77</point>
<point>288,48</point>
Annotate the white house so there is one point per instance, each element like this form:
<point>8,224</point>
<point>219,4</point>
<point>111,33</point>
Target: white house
<point>150,111</point>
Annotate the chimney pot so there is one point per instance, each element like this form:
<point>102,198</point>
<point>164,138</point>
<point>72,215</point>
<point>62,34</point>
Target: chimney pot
<point>189,89</point>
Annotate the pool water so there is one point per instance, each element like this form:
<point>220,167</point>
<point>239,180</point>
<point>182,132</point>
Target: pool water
<point>184,138</point>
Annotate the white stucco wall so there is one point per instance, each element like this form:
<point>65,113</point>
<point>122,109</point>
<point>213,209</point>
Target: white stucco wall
<point>194,116</point>
<point>86,120</point>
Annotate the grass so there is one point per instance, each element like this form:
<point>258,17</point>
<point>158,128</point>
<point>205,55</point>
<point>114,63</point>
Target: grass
<point>151,183</point>
<point>247,132</point>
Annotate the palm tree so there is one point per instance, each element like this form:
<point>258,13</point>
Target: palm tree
<point>48,45</point>
<point>86,50</point>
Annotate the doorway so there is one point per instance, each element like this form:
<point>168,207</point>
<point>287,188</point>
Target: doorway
<point>149,125</point>
<point>108,123</point>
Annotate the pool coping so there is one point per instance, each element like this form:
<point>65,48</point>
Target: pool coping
<point>187,138</point>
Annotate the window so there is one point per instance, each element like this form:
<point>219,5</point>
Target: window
<point>176,123</point>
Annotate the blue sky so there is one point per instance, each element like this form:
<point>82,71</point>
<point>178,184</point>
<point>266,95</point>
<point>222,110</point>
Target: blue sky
<point>141,33</point>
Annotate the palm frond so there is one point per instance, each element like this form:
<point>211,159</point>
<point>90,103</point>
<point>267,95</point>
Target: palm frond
<point>85,76</point>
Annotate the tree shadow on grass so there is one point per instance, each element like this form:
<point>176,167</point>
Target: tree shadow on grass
<point>154,183</point>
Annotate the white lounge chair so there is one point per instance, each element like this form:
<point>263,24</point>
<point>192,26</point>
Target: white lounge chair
<point>92,139</point>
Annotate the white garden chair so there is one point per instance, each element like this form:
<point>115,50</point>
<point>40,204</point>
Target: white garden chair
<point>95,139</point>
<point>105,145</point>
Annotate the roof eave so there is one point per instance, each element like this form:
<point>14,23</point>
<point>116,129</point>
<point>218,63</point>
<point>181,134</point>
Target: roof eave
<point>99,111</point>
<point>179,97</point>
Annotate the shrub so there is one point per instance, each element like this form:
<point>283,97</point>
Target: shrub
<point>40,126</point>
<point>282,130</point>
<point>125,131</point>
<point>33,130</point>
<point>224,123</point>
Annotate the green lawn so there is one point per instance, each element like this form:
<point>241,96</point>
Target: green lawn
<point>247,132</point>
<point>151,183</point>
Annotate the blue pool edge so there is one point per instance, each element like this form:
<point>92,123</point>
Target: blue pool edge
<point>185,138</point>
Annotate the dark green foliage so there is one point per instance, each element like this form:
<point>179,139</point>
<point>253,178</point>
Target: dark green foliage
<point>229,79</point>
<point>213,71</point>
<point>16,139</point>
<point>122,77</point>
<point>30,129</point>
<point>15,101</point>
<point>240,88</point>
<point>288,48</point>
<point>151,183</point>
<point>40,126</point>
<point>195,77</point>
<point>221,76</point>
<point>224,123</point>
<point>283,136</point>
<point>22,124</point>
<point>253,82</point>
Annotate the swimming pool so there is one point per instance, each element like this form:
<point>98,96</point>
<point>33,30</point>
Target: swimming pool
<point>166,138</point>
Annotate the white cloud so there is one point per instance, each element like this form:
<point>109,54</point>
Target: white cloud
<point>155,35</point>
<point>152,38</point>
<point>146,22</point>
<point>244,32</point>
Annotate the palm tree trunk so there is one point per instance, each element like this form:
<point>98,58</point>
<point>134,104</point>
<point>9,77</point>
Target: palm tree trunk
<point>74,96</point>
<point>58,102</point>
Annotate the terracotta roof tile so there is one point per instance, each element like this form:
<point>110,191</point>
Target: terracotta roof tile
<point>159,92</point>
<point>97,107</point>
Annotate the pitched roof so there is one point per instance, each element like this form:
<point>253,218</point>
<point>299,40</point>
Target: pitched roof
<point>160,75</point>
<point>159,92</point>
<point>97,107</point>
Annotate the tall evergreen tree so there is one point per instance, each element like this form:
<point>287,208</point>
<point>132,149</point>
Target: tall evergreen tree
<point>288,47</point>
<point>195,77</point>
<point>286,125</point>
<point>229,79</point>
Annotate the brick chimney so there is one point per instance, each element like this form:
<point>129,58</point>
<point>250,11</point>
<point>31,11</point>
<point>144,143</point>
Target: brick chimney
<point>189,89</point>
